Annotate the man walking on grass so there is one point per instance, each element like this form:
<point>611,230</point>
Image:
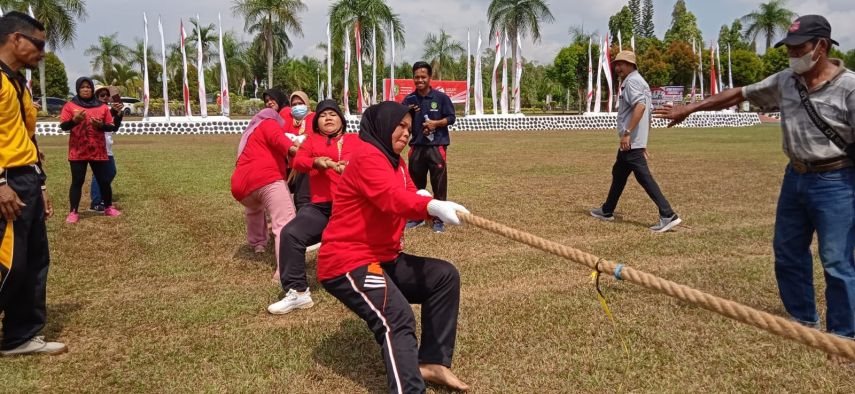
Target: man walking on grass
<point>816,97</point>
<point>24,204</point>
<point>633,121</point>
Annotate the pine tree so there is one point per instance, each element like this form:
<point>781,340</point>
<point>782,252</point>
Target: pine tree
<point>647,20</point>
<point>635,8</point>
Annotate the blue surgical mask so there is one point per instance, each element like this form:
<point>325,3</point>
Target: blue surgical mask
<point>299,112</point>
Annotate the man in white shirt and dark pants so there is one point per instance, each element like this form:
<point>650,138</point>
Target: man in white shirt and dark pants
<point>633,125</point>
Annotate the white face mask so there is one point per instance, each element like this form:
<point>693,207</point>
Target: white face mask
<point>801,65</point>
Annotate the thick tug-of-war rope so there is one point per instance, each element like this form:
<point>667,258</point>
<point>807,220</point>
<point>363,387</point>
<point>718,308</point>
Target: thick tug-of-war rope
<point>777,325</point>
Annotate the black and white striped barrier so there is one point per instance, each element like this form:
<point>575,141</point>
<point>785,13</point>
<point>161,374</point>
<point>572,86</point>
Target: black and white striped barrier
<point>470,123</point>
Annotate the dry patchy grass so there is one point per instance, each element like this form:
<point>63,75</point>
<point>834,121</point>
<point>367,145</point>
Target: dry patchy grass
<point>167,298</point>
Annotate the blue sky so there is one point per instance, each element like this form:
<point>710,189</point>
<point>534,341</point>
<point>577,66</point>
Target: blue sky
<point>420,18</point>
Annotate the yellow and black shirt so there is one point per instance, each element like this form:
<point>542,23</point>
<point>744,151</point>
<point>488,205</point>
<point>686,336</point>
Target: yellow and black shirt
<point>17,124</point>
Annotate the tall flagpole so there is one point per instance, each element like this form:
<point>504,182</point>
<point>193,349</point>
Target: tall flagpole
<point>373,65</point>
<point>729,69</point>
<point>599,92</point>
<point>519,67</point>
<point>392,63</point>
<point>496,63</point>
<point>29,73</point>
<point>164,76</point>
<point>718,74</point>
<point>146,94</point>
<point>225,108</point>
<point>607,65</point>
<point>504,97</point>
<point>694,73</point>
<point>479,82</point>
<point>619,41</point>
<point>346,95</point>
<point>701,67</point>
<point>468,69</point>
<point>590,92</point>
<point>329,62</point>
<point>200,70</point>
<point>357,36</point>
<point>186,87</point>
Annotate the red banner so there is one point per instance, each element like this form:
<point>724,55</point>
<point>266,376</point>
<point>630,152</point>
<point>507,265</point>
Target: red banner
<point>455,90</point>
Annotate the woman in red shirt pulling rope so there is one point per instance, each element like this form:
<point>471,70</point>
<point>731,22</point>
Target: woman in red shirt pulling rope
<point>360,261</point>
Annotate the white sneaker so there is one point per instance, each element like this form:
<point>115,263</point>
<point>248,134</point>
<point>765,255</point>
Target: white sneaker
<point>292,300</point>
<point>313,247</point>
<point>37,345</point>
<point>666,224</point>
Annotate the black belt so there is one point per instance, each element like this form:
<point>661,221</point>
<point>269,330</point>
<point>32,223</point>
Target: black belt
<point>837,163</point>
<point>23,170</point>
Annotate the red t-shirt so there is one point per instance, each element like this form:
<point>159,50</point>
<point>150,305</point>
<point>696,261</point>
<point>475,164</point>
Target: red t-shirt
<point>262,160</point>
<point>370,207</point>
<point>300,128</point>
<point>322,184</point>
<point>85,142</point>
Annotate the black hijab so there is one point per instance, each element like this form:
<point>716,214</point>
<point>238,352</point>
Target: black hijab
<point>93,101</point>
<point>379,121</point>
<point>278,96</point>
<point>323,106</point>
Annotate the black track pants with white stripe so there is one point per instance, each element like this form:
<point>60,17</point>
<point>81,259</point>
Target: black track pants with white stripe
<point>381,295</point>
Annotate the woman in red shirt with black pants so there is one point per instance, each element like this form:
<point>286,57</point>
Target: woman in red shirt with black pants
<point>360,261</point>
<point>321,158</point>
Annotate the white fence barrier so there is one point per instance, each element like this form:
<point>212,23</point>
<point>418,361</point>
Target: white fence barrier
<point>485,123</point>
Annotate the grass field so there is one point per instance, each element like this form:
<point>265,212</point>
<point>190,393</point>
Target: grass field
<point>168,297</point>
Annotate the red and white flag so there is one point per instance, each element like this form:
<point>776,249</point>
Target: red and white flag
<point>599,92</point>
<point>607,66</point>
<point>713,83</point>
<point>225,106</point>
<point>200,70</point>
<point>186,88</point>
<point>357,36</point>
<point>590,95</point>
<point>496,64</point>
<point>346,96</point>
<point>505,76</point>
<point>479,84</point>
<point>163,75</point>
<point>518,64</point>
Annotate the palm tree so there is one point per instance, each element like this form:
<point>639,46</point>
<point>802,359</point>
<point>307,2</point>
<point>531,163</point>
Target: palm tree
<point>441,48</point>
<point>135,55</point>
<point>771,19</point>
<point>209,38</point>
<point>368,15</point>
<point>60,18</point>
<point>107,51</point>
<point>271,19</point>
<point>237,66</point>
<point>518,17</point>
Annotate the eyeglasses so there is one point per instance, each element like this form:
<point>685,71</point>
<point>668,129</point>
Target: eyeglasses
<point>39,44</point>
<point>104,94</point>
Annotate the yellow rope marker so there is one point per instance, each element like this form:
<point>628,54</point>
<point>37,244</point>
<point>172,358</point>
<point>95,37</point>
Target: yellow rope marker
<point>828,343</point>
<point>595,277</point>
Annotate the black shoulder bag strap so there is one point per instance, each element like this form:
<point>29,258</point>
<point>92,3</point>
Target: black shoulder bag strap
<point>821,124</point>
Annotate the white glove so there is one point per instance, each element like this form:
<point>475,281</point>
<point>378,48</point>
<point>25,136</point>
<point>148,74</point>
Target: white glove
<point>446,211</point>
<point>424,193</point>
<point>297,139</point>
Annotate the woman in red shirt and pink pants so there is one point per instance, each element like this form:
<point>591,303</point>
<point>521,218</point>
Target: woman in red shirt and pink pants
<point>361,261</point>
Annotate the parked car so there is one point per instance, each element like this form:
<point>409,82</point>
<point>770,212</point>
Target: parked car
<point>54,104</point>
<point>129,106</point>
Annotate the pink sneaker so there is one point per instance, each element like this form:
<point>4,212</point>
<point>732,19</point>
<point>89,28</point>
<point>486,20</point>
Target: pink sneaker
<point>72,217</point>
<point>111,211</point>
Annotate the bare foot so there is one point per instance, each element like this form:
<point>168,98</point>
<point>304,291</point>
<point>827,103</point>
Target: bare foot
<point>441,375</point>
<point>834,359</point>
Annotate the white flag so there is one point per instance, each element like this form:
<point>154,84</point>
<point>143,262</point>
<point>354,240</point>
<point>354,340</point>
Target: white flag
<point>694,73</point>
<point>479,84</point>
<point>360,98</point>
<point>28,72</point>
<point>719,69</point>
<point>729,69</point>
<point>599,91</point>
<point>225,99</point>
<point>619,41</point>
<point>146,94</point>
<point>632,42</point>
<point>392,63</point>
<point>468,70</point>
<point>255,92</point>
<point>164,76</point>
<point>200,70</point>
<point>505,76</point>
<point>242,85</point>
<point>518,64</point>
<point>373,99</point>
<point>607,67</point>
<point>346,97</point>
<point>1,11</point>
<point>186,88</point>
<point>590,92</point>
<point>701,67</point>
<point>496,64</point>
<point>329,63</point>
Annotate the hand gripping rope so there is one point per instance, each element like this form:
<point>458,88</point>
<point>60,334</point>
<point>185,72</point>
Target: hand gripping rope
<point>777,325</point>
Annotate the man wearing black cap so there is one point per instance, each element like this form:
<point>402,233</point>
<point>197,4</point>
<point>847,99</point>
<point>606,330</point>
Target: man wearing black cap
<point>816,97</point>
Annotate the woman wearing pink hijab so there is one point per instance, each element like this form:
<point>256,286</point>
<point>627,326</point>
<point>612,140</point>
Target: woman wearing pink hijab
<point>258,181</point>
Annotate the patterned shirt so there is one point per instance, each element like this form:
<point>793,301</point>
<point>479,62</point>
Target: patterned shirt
<point>834,100</point>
